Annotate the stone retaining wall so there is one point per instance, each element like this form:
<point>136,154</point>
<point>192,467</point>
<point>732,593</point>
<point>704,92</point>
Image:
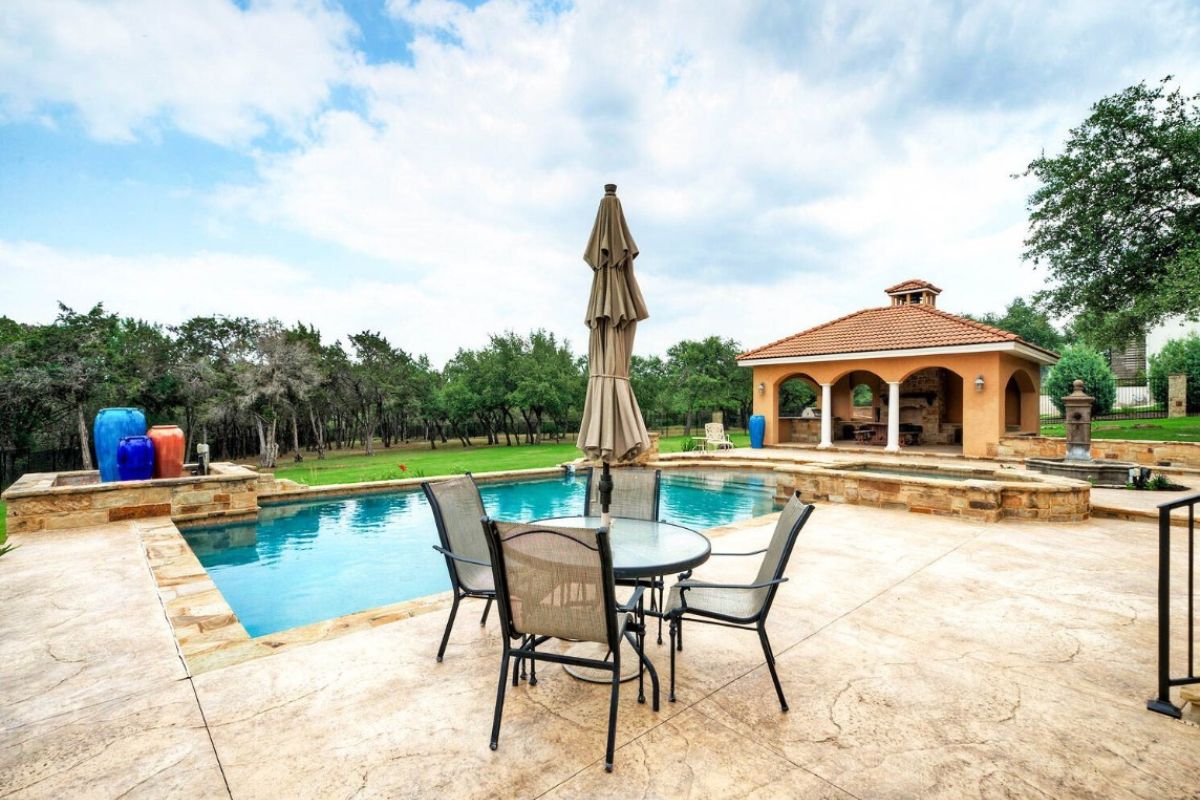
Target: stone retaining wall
<point>980,499</point>
<point>66,500</point>
<point>1144,453</point>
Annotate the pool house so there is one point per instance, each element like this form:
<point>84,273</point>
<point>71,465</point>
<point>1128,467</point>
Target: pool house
<point>905,374</point>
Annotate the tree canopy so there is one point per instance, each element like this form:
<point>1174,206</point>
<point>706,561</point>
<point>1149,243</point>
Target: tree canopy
<point>1026,321</point>
<point>1116,216</point>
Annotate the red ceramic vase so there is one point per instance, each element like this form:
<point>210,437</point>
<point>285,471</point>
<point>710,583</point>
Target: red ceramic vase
<point>168,450</point>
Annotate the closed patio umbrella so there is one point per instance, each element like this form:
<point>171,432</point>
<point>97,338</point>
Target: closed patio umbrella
<point>612,428</point>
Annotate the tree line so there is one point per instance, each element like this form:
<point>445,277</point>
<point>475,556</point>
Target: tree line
<point>260,388</point>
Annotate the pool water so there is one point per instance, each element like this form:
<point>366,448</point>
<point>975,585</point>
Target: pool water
<point>305,562</point>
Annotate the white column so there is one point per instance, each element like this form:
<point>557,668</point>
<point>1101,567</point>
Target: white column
<point>893,443</point>
<point>826,415</point>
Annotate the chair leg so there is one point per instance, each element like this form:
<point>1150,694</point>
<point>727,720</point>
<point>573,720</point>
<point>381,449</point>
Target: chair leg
<point>486,609</point>
<point>766,646</point>
<point>500,699</point>
<point>674,631</point>
<point>612,710</point>
<point>660,610</point>
<point>639,645</point>
<point>449,625</point>
<point>519,667</point>
<point>649,667</point>
<point>532,663</point>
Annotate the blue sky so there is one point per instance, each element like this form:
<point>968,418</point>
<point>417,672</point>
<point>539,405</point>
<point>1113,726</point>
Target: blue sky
<point>431,169</point>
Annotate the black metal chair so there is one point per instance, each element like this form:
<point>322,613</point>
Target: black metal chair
<point>743,606</point>
<point>558,583</point>
<point>457,508</point>
<point>636,495</point>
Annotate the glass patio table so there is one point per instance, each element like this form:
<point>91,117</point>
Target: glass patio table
<point>642,550</point>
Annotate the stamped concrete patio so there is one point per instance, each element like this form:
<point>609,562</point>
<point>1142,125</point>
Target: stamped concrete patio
<point>921,656</point>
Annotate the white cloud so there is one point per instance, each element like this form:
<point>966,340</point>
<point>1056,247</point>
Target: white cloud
<point>780,165</point>
<point>205,67</point>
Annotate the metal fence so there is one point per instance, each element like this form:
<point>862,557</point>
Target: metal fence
<point>14,463</point>
<point>1162,702</point>
<point>1133,402</point>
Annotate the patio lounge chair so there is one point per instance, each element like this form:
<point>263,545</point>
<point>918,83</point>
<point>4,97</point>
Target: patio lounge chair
<point>741,605</point>
<point>636,494</point>
<point>558,583</point>
<point>714,436</point>
<point>457,508</point>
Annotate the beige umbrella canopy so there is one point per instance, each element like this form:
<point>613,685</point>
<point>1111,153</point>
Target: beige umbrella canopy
<point>612,428</point>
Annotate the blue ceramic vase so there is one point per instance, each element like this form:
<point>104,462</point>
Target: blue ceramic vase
<point>112,425</point>
<point>135,458</point>
<point>758,426</point>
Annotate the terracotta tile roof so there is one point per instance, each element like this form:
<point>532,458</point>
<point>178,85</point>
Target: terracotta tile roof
<point>899,327</point>
<point>911,285</point>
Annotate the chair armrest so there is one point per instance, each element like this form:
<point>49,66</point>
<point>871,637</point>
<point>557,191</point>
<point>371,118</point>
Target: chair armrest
<point>457,557</point>
<point>685,585</point>
<point>751,553</point>
<point>632,605</point>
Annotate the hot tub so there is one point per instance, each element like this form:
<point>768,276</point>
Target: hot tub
<point>961,491</point>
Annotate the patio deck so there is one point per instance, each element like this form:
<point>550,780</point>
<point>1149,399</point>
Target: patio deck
<point>921,656</point>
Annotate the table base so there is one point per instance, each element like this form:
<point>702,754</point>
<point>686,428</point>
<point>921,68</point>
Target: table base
<point>599,652</point>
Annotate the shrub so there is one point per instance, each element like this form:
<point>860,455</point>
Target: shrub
<point>1177,356</point>
<point>1085,364</point>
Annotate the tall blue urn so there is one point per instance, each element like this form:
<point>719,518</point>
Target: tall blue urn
<point>758,427</point>
<point>111,426</point>
<point>135,458</point>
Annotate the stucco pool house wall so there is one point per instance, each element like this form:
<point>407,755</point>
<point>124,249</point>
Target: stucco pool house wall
<point>914,357</point>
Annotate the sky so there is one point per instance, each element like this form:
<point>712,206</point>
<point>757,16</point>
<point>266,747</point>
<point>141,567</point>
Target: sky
<point>431,169</point>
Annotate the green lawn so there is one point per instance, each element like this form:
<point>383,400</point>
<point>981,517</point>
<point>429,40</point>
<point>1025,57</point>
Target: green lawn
<point>1179,429</point>
<point>449,459</point>
<point>3,523</point>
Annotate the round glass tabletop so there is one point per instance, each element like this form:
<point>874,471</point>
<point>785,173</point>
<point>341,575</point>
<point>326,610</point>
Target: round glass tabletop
<point>641,548</point>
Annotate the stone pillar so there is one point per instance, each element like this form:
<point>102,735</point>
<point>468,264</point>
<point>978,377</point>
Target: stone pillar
<point>826,415</point>
<point>893,420</point>
<point>1077,407</point>
<point>1177,395</point>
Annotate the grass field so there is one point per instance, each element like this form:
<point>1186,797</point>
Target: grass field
<point>1180,429</point>
<point>3,523</point>
<point>418,461</point>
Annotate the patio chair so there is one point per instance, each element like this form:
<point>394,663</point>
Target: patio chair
<point>714,436</point>
<point>457,508</point>
<point>636,494</point>
<point>743,606</point>
<point>557,583</point>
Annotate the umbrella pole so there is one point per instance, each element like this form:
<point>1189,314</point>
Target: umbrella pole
<point>606,487</point>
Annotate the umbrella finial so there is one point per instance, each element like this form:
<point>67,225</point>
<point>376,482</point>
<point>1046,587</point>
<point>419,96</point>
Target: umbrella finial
<point>610,188</point>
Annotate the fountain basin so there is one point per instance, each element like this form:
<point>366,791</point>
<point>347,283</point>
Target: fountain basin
<point>1098,472</point>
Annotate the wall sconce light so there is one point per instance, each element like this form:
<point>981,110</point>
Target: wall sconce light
<point>762,388</point>
<point>979,384</point>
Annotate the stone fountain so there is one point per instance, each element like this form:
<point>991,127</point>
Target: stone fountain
<point>1078,462</point>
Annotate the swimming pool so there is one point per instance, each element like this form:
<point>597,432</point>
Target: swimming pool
<point>305,562</point>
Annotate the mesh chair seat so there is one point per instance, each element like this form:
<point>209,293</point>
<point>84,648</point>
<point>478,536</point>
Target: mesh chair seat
<point>476,579</point>
<point>736,603</point>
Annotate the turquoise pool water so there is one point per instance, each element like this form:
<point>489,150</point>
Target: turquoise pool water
<point>306,562</point>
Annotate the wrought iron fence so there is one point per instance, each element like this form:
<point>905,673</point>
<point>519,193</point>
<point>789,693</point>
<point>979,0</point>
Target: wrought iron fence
<point>1133,402</point>
<point>1162,703</point>
<point>14,463</point>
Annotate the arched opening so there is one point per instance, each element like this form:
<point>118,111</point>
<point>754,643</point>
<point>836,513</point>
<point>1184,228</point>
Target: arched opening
<point>931,407</point>
<point>799,410</point>
<point>859,408</point>
<point>1018,394</point>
